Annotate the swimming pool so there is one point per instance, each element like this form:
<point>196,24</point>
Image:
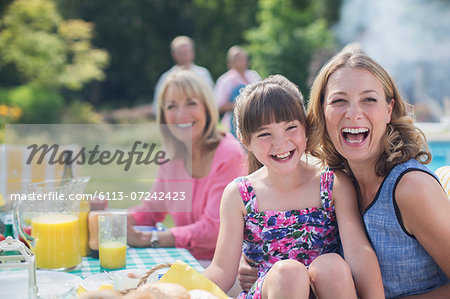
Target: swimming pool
<point>441,154</point>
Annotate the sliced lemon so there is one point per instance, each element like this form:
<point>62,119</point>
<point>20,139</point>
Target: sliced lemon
<point>186,276</point>
<point>106,286</point>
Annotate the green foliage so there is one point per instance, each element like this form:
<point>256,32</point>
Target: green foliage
<point>39,105</point>
<point>87,63</point>
<point>143,30</point>
<point>46,50</point>
<point>219,25</point>
<point>44,42</point>
<point>79,112</point>
<point>288,35</point>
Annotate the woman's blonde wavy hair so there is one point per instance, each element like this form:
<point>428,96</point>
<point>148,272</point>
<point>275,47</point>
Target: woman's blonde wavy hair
<point>192,86</point>
<point>402,140</point>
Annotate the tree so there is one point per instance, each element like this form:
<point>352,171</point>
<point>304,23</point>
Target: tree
<point>288,35</point>
<point>219,25</point>
<point>46,50</point>
<point>141,35</point>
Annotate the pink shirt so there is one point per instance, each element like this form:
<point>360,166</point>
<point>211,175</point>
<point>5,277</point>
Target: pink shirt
<point>197,230</point>
<point>226,83</point>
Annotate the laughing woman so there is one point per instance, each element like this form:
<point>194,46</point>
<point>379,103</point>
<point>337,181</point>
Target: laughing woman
<point>202,156</point>
<point>360,124</point>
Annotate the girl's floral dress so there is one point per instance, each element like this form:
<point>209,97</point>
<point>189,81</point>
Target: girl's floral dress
<point>302,235</point>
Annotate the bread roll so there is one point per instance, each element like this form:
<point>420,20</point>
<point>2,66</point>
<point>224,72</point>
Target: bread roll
<point>201,294</point>
<point>165,290</point>
<point>139,295</point>
<point>101,294</point>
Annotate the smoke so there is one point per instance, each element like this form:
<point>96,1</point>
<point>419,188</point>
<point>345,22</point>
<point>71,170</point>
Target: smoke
<point>410,38</point>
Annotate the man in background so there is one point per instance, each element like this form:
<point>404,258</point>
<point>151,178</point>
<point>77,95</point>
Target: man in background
<point>182,49</point>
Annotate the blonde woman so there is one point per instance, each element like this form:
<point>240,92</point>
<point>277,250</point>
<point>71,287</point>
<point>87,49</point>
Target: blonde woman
<point>202,156</point>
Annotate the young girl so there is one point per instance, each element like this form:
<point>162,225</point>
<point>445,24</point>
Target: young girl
<point>285,214</point>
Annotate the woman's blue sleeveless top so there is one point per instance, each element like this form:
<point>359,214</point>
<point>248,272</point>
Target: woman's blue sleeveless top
<point>406,267</point>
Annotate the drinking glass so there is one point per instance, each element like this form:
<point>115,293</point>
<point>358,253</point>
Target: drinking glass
<point>112,237</point>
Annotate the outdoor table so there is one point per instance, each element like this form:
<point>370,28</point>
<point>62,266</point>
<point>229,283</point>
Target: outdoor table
<point>141,258</point>
<point>137,258</point>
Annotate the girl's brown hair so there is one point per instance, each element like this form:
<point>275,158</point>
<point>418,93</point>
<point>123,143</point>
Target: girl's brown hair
<point>274,99</point>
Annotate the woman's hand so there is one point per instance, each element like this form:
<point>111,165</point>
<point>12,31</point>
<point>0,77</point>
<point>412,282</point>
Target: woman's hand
<point>137,238</point>
<point>247,274</point>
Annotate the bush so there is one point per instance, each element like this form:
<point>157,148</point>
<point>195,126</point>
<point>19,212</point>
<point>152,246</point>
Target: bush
<point>39,106</point>
<point>79,112</point>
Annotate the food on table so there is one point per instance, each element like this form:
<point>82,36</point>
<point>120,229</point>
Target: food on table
<point>165,290</point>
<point>26,230</point>
<point>138,295</point>
<point>201,294</point>
<point>101,294</point>
<point>191,279</point>
<point>93,233</point>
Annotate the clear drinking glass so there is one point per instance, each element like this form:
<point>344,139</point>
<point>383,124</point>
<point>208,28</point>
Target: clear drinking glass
<point>112,238</point>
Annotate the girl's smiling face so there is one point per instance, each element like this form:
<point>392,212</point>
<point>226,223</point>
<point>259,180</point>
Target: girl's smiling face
<point>279,146</point>
<point>356,113</point>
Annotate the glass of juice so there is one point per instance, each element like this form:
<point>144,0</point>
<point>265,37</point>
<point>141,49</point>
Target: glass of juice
<point>112,238</point>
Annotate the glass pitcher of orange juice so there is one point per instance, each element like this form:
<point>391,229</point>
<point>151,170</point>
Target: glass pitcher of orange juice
<point>51,208</point>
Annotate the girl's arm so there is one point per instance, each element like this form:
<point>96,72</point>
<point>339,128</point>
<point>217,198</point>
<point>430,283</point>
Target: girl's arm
<point>425,211</point>
<point>223,268</point>
<point>357,250</point>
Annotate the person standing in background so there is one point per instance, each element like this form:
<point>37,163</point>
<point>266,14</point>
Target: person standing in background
<point>182,49</point>
<point>230,83</point>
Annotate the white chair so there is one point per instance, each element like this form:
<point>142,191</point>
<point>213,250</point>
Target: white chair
<point>443,174</point>
<point>16,174</point>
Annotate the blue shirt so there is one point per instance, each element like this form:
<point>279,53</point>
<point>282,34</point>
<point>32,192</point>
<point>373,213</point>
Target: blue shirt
<point>406,268</point>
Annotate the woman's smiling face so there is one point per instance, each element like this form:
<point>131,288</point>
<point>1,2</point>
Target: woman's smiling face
<point>356,113</point>
<point>187,114</point>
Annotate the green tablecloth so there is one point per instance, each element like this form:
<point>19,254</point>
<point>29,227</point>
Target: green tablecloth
<point>142,258</point>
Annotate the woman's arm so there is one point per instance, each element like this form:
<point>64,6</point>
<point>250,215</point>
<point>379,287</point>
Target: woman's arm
<point>141,215</point>
<point>202,233</point>
<point>357,250</point>
<point>425,211</point>
<point>223,268</point>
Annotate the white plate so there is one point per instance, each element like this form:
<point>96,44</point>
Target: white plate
<point>51,284</point>
<point>120,279</point>
<point>95,281</point>
<point>54,284</point>
<point>128,278</point>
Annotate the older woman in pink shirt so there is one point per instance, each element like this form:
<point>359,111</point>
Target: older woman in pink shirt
<point>204,162</point>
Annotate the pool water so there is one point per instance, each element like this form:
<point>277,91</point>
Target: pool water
<point>441,154</point>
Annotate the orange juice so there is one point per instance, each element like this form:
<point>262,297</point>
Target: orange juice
<point>113,255</point>
<point>57,241</point>
<point>84,231</point>
<point>84,236</point>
